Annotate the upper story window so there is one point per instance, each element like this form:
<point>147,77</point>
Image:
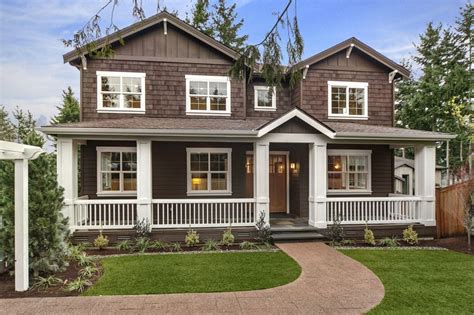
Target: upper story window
<point>264,98</point>
<point>120,92</point>
<point>207,95</point>
<point>347,100</point>
<point>116,170</point>
<point>349,171</point>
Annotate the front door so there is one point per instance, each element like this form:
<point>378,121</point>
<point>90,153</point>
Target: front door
<point>278,182</point>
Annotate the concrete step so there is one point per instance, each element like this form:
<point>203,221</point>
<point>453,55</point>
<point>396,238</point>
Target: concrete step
<point>297,236</point>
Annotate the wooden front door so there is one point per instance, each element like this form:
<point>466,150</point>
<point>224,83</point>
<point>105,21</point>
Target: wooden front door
<point>278,183</point>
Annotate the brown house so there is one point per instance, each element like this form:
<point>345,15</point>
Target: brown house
<point>167,136</point>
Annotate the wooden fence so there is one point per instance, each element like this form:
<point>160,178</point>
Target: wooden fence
<point>450,207</point>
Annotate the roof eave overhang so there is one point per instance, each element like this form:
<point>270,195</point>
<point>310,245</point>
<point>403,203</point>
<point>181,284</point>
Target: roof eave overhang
<point>371,136</point>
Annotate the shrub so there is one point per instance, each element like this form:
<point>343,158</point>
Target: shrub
<point>336,231</point>
<point>369,236</point>
<point>348,242</point>
<point>192,238</point>
<point>175,247</point>
<point>160,245</point>
<point>88,271</point>
<point>125,245</point>
<point>84,260</point>
<point>264,233</point>
<point>46,282</point>
<point>142,228</point>
<point>75,252</point>
<point>248,245</point>
<point>227,237</point>
<point>410,236</point>
<point>210,245</point>
<point>142,244</point>
<point>101,241</point>
<point>79,285</point>
<point>389,242</point>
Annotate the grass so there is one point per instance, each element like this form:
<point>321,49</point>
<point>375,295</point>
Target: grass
<point>179,273</point>
<point>421,281</point>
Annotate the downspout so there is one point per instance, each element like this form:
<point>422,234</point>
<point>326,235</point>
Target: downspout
<point>447,161</point>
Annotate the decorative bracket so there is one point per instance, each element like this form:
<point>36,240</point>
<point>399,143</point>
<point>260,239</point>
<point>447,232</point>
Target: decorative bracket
<point>391,76</point>
<point>84,62</point>
<point>165,26</point>
<point>349,50</point>
<point>305,71</point>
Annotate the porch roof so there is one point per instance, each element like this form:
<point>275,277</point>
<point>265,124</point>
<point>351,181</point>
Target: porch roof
<point>250,127</point>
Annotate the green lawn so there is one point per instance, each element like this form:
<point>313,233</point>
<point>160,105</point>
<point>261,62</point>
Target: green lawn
<point>176,273</point>
<point>421,281</point>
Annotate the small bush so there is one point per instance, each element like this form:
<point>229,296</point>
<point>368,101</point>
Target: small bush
<point>410,236</point>
<point>210,245</point>
<point>265,246</point>
<point>46,282</point>
<point>175,247</point>
<point>389,242</point>
<point>248,245</point>
<point>369,236</point>
<point>160,245</point>
<point>101,241</point>
<point>84,260</point>
<point>142,244</point>
<point>88,272</point>
<point>227,238</point>
<point>336,231</point>
<point>78,285</point>
<point>142,228</point>
<point>125,245</point>
<point>192,238</point>
<point>264,233</point>
<point>75,252</point>
<point>348,242</point>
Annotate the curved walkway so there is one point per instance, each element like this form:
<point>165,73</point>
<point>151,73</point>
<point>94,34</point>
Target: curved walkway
<point>330,283</point>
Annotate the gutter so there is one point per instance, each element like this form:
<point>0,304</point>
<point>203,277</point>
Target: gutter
<point>372,136</point>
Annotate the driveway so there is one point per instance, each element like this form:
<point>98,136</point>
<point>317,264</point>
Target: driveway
<point>330,283</point>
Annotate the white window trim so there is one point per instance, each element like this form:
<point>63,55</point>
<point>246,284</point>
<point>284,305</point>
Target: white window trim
<point>368,154</point>
<point>263,108</point>
<point>191,192</point>
<point>347,85</point>
<point>101,192</point>
<point>208,111</point>
<point>121,109</point>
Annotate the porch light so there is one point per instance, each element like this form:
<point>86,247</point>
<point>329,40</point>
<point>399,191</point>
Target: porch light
<point>293,166</point>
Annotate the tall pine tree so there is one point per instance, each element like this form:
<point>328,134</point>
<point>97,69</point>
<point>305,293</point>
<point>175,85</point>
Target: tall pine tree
<point>227,25</point>
<point>69,110</point>
<point>7,130</point>
<point>201,17</point>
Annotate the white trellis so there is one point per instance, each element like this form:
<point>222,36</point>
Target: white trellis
<point>20,154</point>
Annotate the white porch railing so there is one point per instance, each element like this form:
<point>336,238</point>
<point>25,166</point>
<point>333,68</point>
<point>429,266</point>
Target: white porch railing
<point>104,214</point>
<point>179,213</point>
<point>374,210</point>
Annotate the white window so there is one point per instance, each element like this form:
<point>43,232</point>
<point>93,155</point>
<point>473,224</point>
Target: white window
<point>209,171</point>
<point>349,171</point>
<point>116,170</point>
<point>207,95</point>
<point>120,92</point>
<point>264,99</point>
<point>347,100</point>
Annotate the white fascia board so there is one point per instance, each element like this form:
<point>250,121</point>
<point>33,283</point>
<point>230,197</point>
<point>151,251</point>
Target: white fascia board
<point>373,136</point>
<point>299,114</point>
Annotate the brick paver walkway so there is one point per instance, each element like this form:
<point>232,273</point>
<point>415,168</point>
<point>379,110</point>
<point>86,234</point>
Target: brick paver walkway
<point>330,283</point>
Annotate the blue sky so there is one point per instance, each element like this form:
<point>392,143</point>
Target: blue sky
<point>32,74</point>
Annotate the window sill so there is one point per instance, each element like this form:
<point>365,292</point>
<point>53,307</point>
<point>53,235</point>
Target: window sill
<point>265,109</point>
<point>348,117</point>
<point>120,111</point>
<point>349,192</point>
<point>208,193</point>
<point>222,114</point>
<point>116,194</point>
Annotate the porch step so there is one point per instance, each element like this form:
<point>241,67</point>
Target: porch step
<point>301,235</point>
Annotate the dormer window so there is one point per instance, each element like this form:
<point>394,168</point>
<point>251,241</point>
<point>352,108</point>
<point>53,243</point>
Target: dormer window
<point>207,95</point>
<point>347,100</point>
<point>120,92</point>
<point>264,99</point>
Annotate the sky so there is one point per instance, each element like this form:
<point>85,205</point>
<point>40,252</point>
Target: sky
<point>33,75</point>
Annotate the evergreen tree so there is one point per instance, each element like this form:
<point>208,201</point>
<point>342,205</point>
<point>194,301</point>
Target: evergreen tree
<point>7,130</point>
<point>201,17</point>
<point>226,25</point>
<point>69,111</point>
<point>48,229</point>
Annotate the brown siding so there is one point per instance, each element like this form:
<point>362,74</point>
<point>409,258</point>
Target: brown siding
<point>283,100</point>
<point>382,166</point>
<point>295,125</point>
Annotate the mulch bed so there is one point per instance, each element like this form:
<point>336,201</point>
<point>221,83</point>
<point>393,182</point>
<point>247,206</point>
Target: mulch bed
<point>114,251</point>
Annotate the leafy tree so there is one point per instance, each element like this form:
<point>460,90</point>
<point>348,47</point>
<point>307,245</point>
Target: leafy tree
<point>201,17</point>
<point>226,25</point>
<point>69,111</point>
<point>7,130</point>
<point>47,227</point>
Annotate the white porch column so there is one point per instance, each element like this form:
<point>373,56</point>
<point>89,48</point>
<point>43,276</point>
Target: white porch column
<point>317,185</point>
<point>21,225</point>
<point>67,175</point>
<point>261,178</point>
<point>144,180</point>
<point>425,165</point>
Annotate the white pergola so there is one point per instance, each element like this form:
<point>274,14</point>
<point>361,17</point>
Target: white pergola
<point>20,154</point>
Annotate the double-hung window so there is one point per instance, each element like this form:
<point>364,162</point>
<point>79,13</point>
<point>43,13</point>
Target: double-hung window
<point>120,92</point>
<point>116,170</point>
<point>207,95</point>
<point>265,100</point>
<point>347,100</point>
<point>209,171</point>
<point>349,171</point>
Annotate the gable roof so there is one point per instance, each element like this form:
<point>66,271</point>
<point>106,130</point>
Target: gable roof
<point>354,42</point>
<point>150,22</point>
<point>400,161</point>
